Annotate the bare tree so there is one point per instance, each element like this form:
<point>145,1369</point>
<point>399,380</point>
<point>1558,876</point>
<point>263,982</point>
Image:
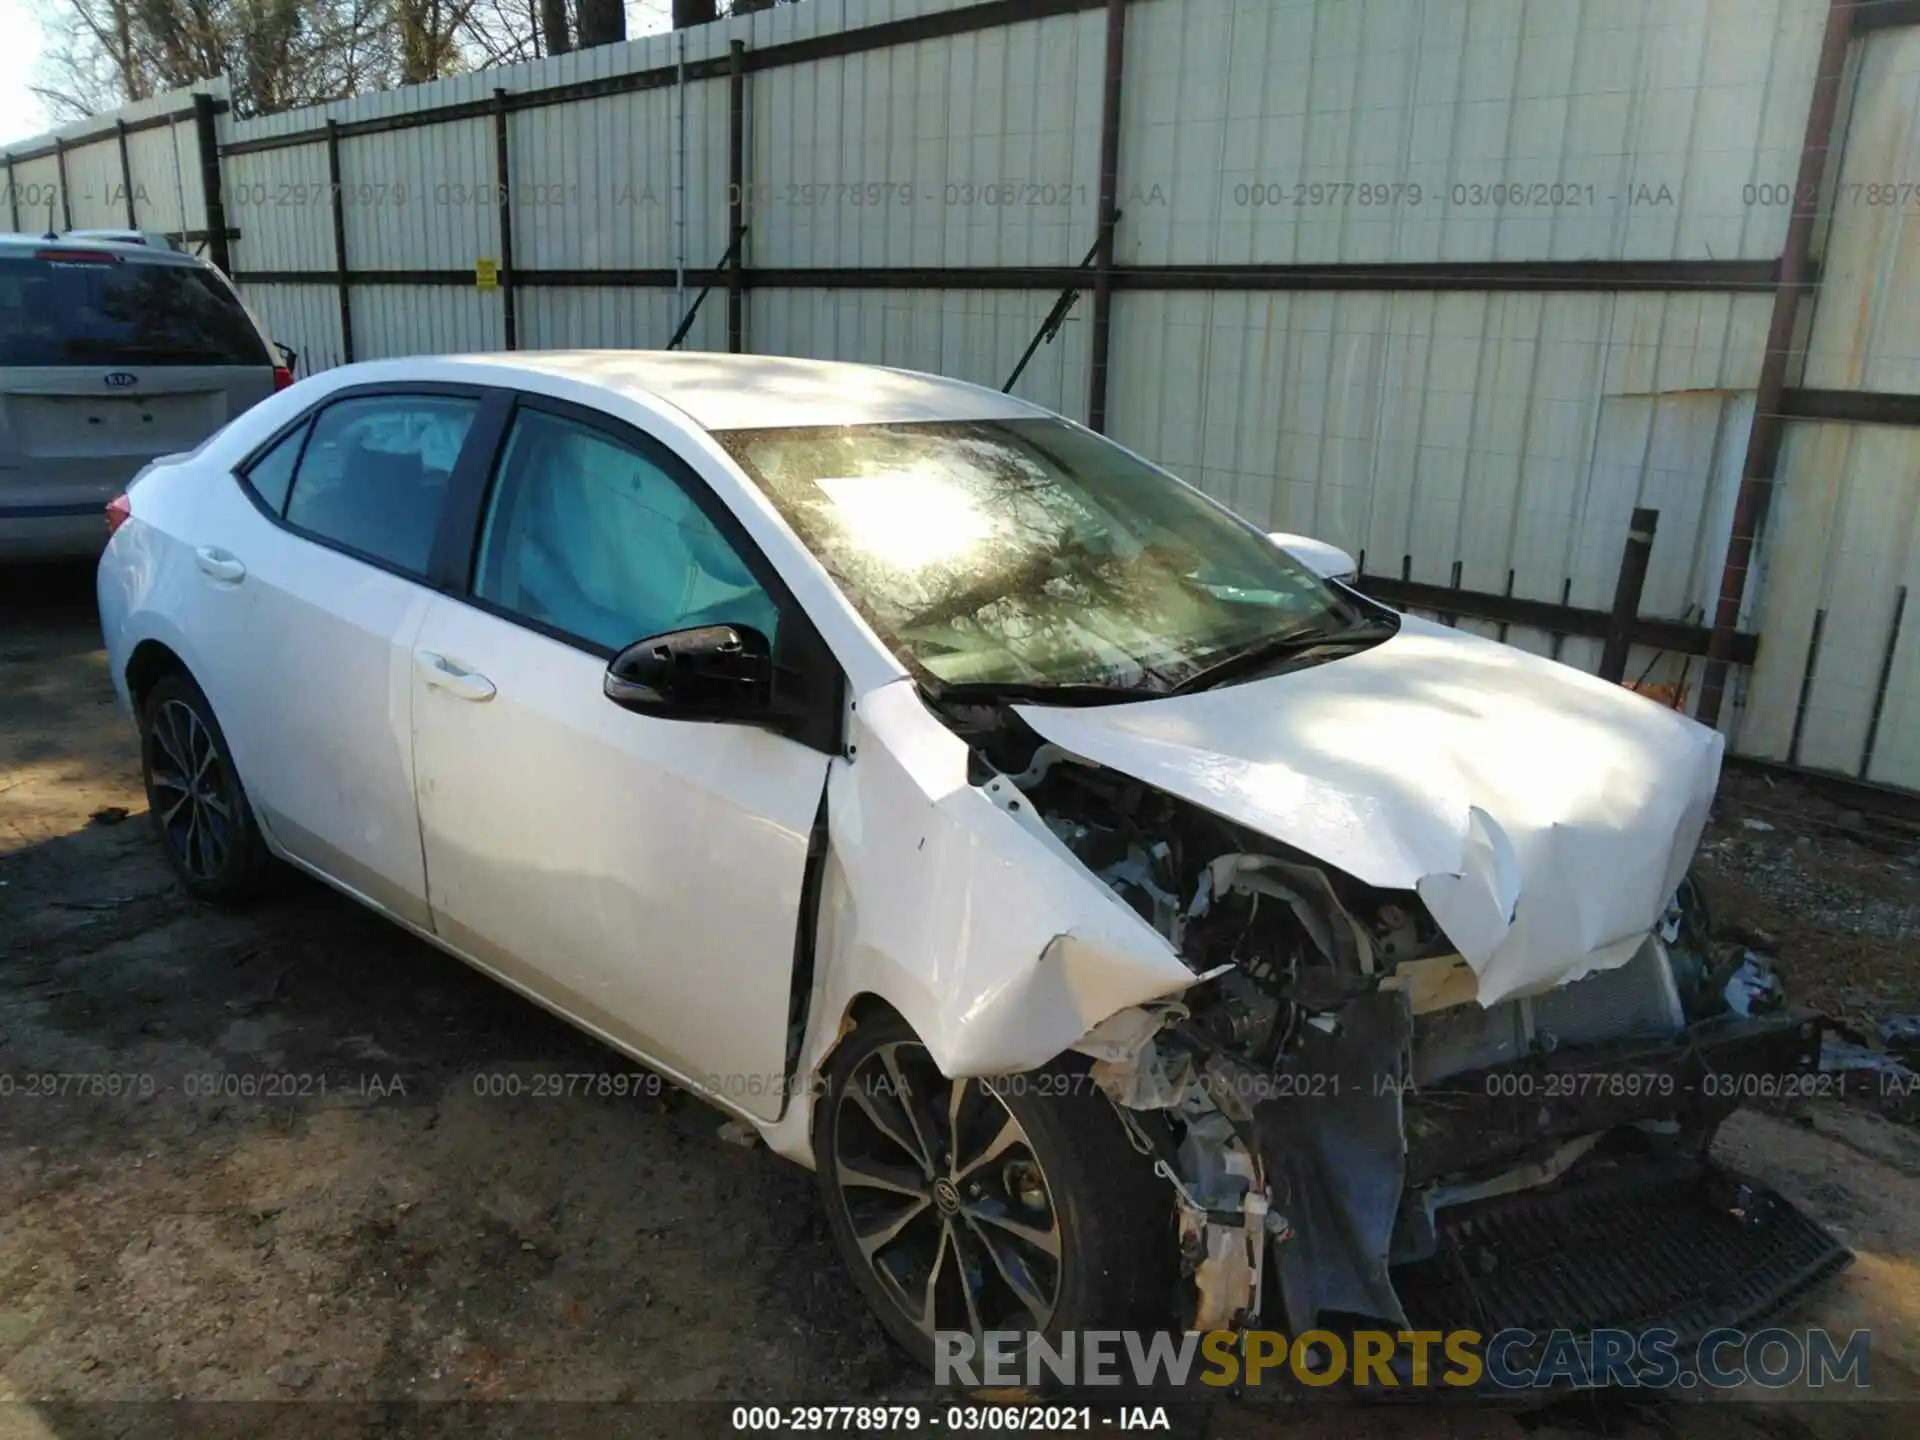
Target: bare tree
<point>553,26</point>
<point>276,53</point>
<point>91,61</point>
<point>428,31</point>
<point>508,32</point>
<point>602,22</point>
<point>280,54</point>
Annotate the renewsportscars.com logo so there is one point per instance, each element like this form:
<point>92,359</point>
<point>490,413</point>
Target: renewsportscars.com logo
<point>1405,1359</point>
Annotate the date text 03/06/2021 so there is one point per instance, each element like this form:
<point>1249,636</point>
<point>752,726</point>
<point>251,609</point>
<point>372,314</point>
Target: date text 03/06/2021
<point>967,1418</point>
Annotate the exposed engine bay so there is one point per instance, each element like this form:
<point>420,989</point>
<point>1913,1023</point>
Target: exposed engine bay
<point>1340,1118</point>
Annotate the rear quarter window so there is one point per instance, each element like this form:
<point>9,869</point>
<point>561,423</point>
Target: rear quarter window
<point>271,476</point>
<point>119,311</point>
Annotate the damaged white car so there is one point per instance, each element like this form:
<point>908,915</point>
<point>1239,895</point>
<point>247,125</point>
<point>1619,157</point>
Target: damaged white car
<point>1133,926</point>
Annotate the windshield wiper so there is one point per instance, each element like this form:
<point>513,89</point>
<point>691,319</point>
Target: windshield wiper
<point>1048,694</point>
<point>1278,647</point>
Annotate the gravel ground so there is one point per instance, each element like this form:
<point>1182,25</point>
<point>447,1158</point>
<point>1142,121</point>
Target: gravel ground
<point>378,1247</point>
<point>1830,894</point>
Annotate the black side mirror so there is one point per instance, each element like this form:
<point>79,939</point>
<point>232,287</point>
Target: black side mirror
<point>289,356</point>
<point>712,672</point>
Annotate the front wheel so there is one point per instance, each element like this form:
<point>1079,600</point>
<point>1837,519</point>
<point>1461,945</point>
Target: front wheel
<point>199,809</point>
<point>1010,1204</point>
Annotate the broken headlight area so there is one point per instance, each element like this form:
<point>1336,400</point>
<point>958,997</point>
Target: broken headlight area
<point>1350,1133</point>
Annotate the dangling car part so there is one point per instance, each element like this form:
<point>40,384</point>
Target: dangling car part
<point>1387,1111</point>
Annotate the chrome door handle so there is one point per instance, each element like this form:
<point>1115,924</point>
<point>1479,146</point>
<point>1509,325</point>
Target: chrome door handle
<point>220,565</point>
<point>443,674</point>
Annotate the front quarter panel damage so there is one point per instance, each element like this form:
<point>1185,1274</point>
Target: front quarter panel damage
<point>1544,816</point>
<point>963,913</point>
<point>1332,1074</point>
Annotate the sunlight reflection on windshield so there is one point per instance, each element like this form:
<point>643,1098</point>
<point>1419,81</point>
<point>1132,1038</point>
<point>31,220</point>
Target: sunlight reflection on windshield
<point>913,519</point>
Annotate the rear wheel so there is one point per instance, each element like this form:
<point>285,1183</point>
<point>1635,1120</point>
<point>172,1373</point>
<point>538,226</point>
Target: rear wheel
<point>194,796</point>
<point>1012,1204</point>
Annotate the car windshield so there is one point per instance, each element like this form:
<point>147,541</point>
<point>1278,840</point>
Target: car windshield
<point>115,311</point>
<point>1031,553</point>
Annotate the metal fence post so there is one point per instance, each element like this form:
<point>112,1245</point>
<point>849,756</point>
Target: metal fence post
<point>126,176</point>
<point>736,197</point>
<point>502,172</point>
<point>209,141</point>
<point>66,199</point>
<point>1100,343</point>
<point>340,275</point>
<point>1626,593</point>
<point>1763,437</point>
<point>1887,657</point>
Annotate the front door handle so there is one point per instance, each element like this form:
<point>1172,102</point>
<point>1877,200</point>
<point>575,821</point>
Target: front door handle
<point>444,674</point>
<point>220,565</point>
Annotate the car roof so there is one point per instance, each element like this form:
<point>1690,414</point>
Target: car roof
<point>23,243</point>
<point>760,392</point>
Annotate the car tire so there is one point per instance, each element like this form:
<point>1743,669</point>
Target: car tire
<point>1063,1169</point>
<point>197,804</point>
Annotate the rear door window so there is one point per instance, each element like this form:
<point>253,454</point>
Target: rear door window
<point>117,311</point>
<point>374,474</point>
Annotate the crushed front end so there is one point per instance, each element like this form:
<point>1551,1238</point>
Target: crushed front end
<point>1353,1136</point>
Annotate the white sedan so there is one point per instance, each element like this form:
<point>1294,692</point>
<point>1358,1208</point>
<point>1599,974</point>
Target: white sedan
<point>1132,926</point>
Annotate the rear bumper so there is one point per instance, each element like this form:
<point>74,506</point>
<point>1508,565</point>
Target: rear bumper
<point>52,532</point>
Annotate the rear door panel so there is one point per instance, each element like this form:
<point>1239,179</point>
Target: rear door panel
<point>307,661</point>
<point>307,656</point>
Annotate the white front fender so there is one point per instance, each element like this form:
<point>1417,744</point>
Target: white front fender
<point>961,911</point>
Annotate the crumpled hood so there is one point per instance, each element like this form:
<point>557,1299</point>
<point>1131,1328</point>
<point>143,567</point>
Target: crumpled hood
<point>1544,816</point>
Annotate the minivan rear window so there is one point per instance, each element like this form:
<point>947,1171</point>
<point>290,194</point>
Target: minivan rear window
<point>120,312</point>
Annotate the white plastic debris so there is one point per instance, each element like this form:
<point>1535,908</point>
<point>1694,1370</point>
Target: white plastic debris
<point>1751,986</point>
<point>1838,1055</point>
<point>734,1132</point>
<point>1901,1030</point>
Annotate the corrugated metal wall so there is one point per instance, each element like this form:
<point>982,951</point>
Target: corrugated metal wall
<point>1510,435</point>
<point>979,150</point>
<point>1864,333</point>
<point>1845,543</point>
<point>1472,430</point>
<point>161,176</point>
<point>1611,100</point>
<point>1843,546</point>
<point>973,334</point>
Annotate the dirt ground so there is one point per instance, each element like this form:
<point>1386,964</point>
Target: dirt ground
<point>398,1252</point>
<point>1831,893</point>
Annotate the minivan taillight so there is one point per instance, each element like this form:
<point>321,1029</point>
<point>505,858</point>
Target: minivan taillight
<point>282,377</point>
<point>119,511</point>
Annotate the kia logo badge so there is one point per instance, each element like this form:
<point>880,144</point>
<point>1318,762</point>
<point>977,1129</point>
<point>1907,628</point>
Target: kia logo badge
<point>121,379</point>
